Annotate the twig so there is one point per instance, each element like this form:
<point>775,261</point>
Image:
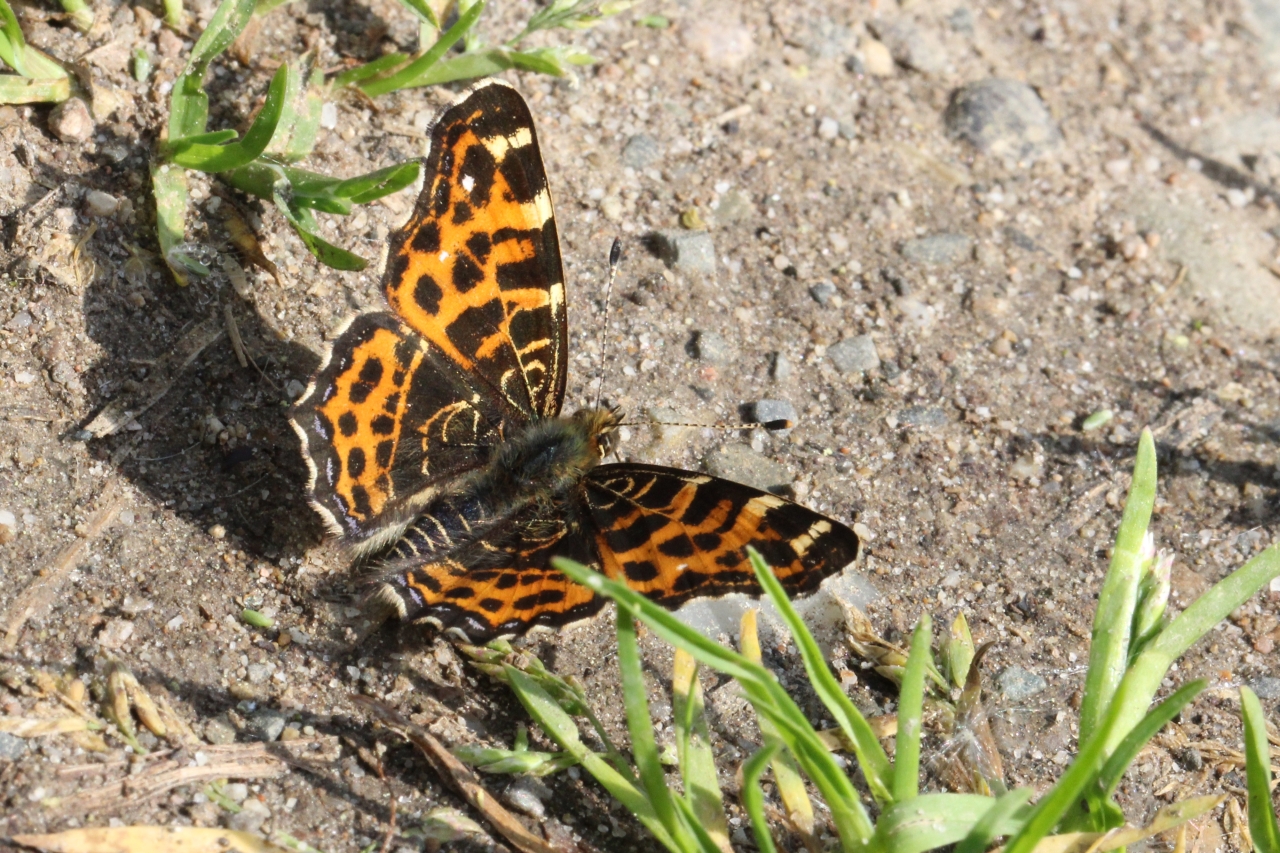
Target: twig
<point>454,771</point>
<point>44,589</point>
<point>233,332</point>
<point>120,411</point>
<point>233,761</point>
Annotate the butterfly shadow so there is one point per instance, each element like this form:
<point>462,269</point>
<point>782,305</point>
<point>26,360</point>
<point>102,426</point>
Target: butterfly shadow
<point>176,414</point>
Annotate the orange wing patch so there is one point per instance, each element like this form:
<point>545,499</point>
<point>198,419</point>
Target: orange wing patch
<point>675,535</point>
<point>477,269</point>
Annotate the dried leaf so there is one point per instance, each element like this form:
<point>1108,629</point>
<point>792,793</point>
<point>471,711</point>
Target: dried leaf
<point>147,839</point>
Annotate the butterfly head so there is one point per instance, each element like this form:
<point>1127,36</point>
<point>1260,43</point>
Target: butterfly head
<point>600,424</point>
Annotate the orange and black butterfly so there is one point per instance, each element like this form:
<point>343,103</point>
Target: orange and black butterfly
<point>434,434</point>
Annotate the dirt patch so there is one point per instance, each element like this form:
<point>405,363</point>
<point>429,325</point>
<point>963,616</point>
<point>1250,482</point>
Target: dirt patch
<point>992,301</point>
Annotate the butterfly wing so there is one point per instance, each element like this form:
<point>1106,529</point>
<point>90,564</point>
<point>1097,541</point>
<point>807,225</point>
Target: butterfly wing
<point>387,419</point>
<point>477,269</point>
<point>675,535</point>
<point>499,585</point>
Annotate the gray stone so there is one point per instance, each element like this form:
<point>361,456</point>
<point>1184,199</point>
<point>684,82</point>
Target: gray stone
<point>962,21</point>
<point>734,207</point>
<point>1219,253</point>
<point>740,463</point>
<point>922,416</point>
<point>690,251</point>
<point>252,815</point>
<point>236,792</point>
<point>1266,686</point>
<point>916,47</point>
<point>938,249</point>
<point>70,121</point>
<point>780,368</point>
<point>822,292</point>
<point>1266,23</point>
<point>529,794</point>
<point>259,673</point>
<point>710,347</point>
<point>853,354</point>
<point>641,151</point>
<point>1003,118</point>
<point>764,411</point>
<point>1017,684</point>
<point>265,724</point>
<point>218,731</point>
<point>12,747</point>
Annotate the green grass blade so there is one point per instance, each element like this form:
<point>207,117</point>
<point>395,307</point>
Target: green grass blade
<point>1145,730</point>
<point>189,105</point>
<point>930,821</point>
<point>22,90</point>
<point>1113,620</point>
<point>169,186</point>
<point>871,756</point>
<point>382,182</point>
<point>81,14</point>
<point>560,727</point>
<point>213,137</point>
<point>301,140</point>
<point>697,762</point>
<point>1150,668</point>
<point>360,73</point>
<point>305,225</point>
<point>987,828</point>
<point>405,77</point>
<point>22,57</point>
<point>224,158</point>
<point>753,797</point>
<point>958,651</point>
<point>906,769</point>
<point>423,10</point>
<point>640,726</point>
<point>1263,825</point>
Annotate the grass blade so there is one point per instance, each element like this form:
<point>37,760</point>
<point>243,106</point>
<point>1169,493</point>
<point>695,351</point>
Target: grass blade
<point>930,821</point>
<point>785,773</point>
<point>1113,620</point>
<point>169,186</point>
<point>407,76</point>
<point>20,56</point>
<point>1263,825</point>
<point>906,769</point>
<point>871,756</point>
<point>753,797</point>
<point>189,106</point>
<point>640,726</point>
<point>986,829</point>
<point>305,226</point>
<point>22,90</point>
<point>224,158</point>
<point>697,762</point>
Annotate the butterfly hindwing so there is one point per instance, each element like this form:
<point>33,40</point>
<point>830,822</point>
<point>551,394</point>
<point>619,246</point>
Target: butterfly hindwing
<point>500,584</point>
<point>477,269</point>
<point>386,418</point>
<point>675,535</point>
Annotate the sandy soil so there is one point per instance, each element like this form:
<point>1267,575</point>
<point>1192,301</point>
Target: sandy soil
<point>942,318</point>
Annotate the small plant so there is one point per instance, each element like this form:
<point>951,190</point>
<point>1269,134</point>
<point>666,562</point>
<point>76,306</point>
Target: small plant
<point>1134,645</point>
<point>286,127</point>
<point>39,79</point>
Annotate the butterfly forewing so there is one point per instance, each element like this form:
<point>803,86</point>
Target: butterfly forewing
<point>675,535</point>
<point>386,418</point>
<point>477,269</point>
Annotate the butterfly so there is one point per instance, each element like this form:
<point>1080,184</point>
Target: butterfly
<point>434,433</point>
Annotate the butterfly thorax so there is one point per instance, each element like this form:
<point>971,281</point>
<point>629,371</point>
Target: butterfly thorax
<point>543,464</point>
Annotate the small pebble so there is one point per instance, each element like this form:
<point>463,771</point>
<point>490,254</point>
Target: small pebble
<point>1237,198</point>
<point>923,416</point>
<point>828,129</point>
<point>641,151</point>
<point>70,121</point>
<point>529,794</point>
<point>294,389</point>
<point>329,115</point>
<point>822,292</point>
<point>236,792</point>
<point>252,815</point>
<point>219,732</point>
<point>98,203</point>
<point>781,262</point>
<point>115,633</point>
<point>1017,684</point>
<point>217,531</point>
<point>764,411</point>
<point>1003,118</point>
<point>265,724</point>
<point>854,354</point>
<point>12,747</point>
<point>692,251</point>
<point>132,605</point>
<point>1267,687</point>
<point>938,249</point>
<point>710,347</point>
<point>740,463</point>
<point>780,369</point>
<point>876,59</point>
<point>8,527</point>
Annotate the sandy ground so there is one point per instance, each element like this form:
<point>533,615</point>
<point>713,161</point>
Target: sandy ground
<point>943,280</point>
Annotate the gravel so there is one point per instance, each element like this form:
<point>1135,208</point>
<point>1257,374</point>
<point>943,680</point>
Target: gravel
<point>938,249</point>
<point>740,463</point>
<point>265,724</point>
<point>12,747</point>
<point>1004,119</point>
<point>1017,684</point>
<point>688,251</point>
<point>641,151</point>
<point>219,731</point>
<point>70,121</point>
<point>764,411</point>
<point>854,354</point>
<point>710,347</point>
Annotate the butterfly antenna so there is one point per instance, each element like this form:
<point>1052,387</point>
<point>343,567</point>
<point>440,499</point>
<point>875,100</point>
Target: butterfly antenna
<point>772,426</point>
<point>615,257</point>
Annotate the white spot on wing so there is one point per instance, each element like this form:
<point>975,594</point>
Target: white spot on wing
<point>444,256</point>
<point>468,183</point>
